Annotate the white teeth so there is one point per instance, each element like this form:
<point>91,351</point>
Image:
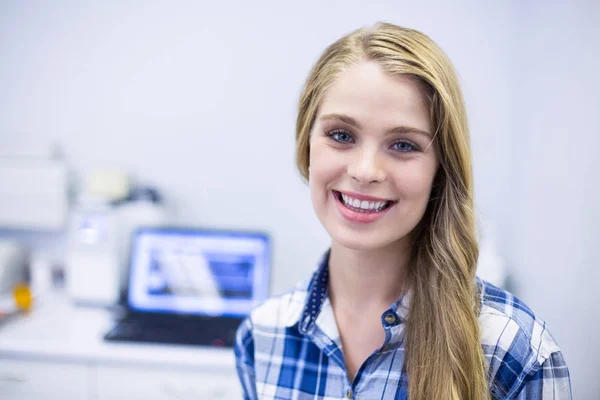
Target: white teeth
<point>364,205</point>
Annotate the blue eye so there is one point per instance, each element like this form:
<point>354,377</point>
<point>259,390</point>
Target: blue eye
<point>340,136</point>
<point>404,146</point>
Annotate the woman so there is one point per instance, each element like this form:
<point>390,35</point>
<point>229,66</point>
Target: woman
<point>394,310</point>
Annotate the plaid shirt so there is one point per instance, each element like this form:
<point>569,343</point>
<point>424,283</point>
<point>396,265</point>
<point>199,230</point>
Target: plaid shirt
<point>290,348</point>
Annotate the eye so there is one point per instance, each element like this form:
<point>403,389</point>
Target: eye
<point>340,136</point>
<point>404,146</point>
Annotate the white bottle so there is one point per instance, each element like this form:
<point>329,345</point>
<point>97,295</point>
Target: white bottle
<point>92,256</point>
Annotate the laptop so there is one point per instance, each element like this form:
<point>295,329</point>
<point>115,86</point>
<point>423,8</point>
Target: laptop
<point>192,286</point>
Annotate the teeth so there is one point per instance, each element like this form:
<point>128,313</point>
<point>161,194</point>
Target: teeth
<point>364,205</point>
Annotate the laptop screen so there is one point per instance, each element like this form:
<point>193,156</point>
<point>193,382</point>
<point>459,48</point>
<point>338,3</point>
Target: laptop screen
<point>198,272</point>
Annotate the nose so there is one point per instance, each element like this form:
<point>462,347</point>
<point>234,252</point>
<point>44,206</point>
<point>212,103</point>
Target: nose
<point>366,167</point>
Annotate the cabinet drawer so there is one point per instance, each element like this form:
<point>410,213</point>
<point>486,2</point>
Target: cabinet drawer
<point>115,383</point>
<point>33,380</point>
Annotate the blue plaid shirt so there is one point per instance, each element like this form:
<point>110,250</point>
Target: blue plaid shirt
<point>290,348</point>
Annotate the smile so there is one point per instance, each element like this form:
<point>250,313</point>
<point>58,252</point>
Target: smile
<point>362,205</point>
<point>365,209</point>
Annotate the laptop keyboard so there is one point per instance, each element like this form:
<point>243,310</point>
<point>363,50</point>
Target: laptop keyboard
<point>216,333</point>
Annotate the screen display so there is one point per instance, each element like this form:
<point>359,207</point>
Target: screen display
<point>198,272</point>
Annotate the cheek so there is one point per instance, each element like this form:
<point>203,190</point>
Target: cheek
<point>416,183</point>
<point>325,165</point>
<point>317,174</point>
<point>317,154</point>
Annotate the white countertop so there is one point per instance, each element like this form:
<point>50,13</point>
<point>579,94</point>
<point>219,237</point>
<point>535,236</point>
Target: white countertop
<point>57,330</point>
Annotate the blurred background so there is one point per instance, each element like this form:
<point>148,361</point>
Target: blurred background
<point>183,113</point>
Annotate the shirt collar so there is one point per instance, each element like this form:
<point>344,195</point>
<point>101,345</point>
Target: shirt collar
<point>318,292</point>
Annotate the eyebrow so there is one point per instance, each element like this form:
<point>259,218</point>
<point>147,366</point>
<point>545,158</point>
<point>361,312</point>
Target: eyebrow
<point>351,121</point>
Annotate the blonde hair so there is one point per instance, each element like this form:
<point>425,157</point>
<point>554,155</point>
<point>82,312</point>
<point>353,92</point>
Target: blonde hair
<point>444,357</point>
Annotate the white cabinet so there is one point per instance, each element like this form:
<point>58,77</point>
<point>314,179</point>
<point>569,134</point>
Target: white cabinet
<point>57,352</point>
<point>116,383</point>
<point>45,380</point>
<point>32,380</point>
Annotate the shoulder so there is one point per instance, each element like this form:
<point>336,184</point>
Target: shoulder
<point>283,310</point>
<point>507,321</point>
<point>515,341</point>
<point>277,312</point>
<point>271,321</point>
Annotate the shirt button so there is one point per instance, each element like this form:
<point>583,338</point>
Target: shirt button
<point>389,318</point>
<point>349,394</point>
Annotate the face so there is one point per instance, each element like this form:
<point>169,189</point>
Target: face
<point>372,160</point>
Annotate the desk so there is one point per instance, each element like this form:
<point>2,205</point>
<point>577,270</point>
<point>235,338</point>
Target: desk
<point>57,352</point>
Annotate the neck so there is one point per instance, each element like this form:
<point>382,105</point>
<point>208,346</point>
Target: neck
<point>362,281</point>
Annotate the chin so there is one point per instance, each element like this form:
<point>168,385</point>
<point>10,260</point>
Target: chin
<point>359,243</point>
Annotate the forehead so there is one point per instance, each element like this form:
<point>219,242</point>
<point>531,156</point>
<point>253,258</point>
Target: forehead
<point>377,99</point>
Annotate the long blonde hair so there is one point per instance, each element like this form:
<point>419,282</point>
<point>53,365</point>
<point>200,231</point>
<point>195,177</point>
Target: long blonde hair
<point>444,357</point>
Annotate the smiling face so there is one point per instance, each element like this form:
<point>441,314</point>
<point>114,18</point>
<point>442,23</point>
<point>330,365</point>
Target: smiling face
<point>372,160</point>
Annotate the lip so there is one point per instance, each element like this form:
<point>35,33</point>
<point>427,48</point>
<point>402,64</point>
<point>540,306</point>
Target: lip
<point>359,196</point>
<point>360,217</point>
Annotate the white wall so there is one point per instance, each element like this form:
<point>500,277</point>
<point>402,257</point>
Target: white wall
<point>556,149</point>
<point>200,100</point>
